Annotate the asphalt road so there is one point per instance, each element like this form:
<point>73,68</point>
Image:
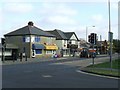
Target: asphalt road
<point>53,74</point>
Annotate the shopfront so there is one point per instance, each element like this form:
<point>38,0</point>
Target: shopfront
<point>50,49</point>
<point>37,50</point>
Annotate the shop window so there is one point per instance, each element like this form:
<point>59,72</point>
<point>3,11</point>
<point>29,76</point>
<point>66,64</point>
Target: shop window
<point>54,51</point>
<point>38,51</point>
<point>49,52</point>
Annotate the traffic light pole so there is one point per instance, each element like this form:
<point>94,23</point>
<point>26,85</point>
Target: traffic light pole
<point>93,54</point>
<point>93,40</point>
<point>3,57</point>
<point>3,49</point>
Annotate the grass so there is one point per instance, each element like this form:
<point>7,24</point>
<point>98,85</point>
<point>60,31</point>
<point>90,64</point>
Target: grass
<point>115,64</point>
<point>105,68</point>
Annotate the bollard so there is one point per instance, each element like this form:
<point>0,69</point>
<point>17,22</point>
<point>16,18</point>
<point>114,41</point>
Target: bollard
<point>26,58</point>
<point>21,56</point>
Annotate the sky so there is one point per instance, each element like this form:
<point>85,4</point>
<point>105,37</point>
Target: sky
<point>68,16</point>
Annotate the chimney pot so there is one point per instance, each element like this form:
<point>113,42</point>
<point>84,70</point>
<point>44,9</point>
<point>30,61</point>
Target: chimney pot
<point>30,23</point>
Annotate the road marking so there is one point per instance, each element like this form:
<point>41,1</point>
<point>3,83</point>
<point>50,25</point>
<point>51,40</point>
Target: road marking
<point>96,75</point>
<point>0,62</point>
<point>68,62</point>
<point>61,58</point>
<point>46,76</point>
<point>55,63</point>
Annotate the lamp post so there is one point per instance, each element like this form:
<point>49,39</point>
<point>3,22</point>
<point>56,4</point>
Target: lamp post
<point>70,48</point>
<point>110,34</point>
<point>87,31</point>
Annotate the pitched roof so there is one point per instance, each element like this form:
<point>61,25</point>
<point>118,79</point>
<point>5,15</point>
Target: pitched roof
<point>69,35</point>
<point>29,30</point>
<point>59,34</point>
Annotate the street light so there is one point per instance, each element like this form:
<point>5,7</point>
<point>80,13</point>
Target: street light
<point>110,33</point>
<point>87,31</point>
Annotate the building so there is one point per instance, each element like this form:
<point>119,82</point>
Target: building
<point>32,41</point>
<point>10,51</point>
<point>102,47</point>
<point>61,42</point>
<point>84,44</point>
<point>73,42</point>
<point>67,42</point>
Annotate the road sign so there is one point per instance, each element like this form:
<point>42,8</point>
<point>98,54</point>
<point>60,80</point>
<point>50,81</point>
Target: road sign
<point>110,36</point>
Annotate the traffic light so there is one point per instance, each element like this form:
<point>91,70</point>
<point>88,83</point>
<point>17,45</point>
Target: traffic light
<point>3,41</point>
<point>89,38</point>
<point>93,38</point>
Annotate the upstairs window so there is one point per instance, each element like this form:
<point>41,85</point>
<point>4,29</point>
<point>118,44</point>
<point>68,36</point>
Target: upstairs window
<point>23,38</point>
<point>37,39</point>
<point>26,39</point>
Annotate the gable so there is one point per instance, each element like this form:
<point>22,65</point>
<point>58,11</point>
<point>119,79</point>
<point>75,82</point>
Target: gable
<point>73,37</point>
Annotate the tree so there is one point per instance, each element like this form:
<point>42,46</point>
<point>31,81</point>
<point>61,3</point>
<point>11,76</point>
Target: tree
<point>116,45</point>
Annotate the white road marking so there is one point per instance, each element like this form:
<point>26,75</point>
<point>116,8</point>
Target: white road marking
<point>61,58</point>
<point>0,62</point>
<point>46,76</point>
<point>96,75</point>
<point>55,63</point>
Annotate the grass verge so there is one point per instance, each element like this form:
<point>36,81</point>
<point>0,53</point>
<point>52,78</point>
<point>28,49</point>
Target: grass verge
<point>105,68</point>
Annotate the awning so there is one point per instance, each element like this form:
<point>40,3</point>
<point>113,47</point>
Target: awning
<point>11,46</point>
<point>38,46</point>
<point>51,47</point>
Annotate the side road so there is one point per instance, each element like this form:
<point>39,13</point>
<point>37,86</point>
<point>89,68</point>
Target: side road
<point>82,62</point>
<point>34,60</point>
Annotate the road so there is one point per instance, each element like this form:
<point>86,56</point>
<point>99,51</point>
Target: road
<point>54,74</point>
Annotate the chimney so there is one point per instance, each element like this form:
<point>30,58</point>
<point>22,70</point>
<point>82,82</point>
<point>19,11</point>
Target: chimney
<point>30,23</point>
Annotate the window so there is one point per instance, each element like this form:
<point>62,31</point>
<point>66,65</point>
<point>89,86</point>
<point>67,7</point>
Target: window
<point>49,52</point>
<point>23,38</point>
<point>73,42</point>
<point>26,39</point>
<point>37,39</point>
<point>38,51</point>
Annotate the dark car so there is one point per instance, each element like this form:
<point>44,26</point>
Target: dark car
<point>87,54</point>
<point>84,53</point>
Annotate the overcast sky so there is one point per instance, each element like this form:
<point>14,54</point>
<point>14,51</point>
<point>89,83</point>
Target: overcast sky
<point>67,15</point>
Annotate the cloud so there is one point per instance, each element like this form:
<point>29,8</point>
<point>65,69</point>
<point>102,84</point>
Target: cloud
<point>57,9</point>
<point>114,5</point>
<point>1,16</point>
<point>57,15</point>
<point>98,18</point>
<point>17,7</point>
<point>58,0</point>
<point>65,10</point>
<point>61,20</point>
